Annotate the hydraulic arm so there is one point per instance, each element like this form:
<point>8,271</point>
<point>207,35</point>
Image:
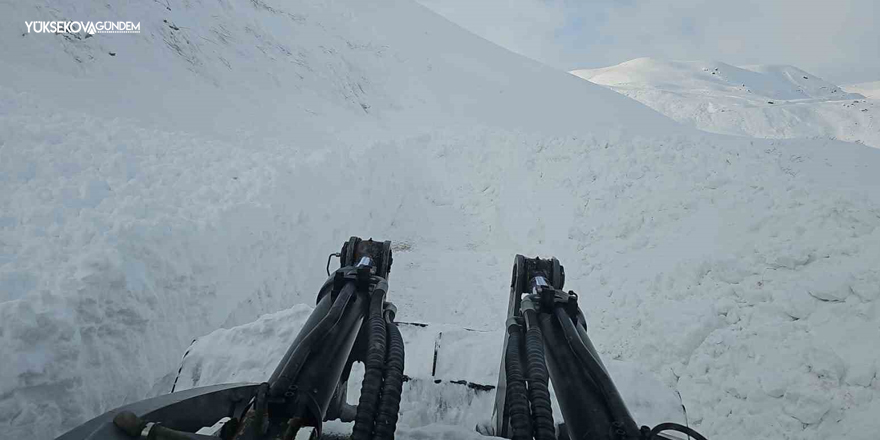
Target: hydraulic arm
<point>545,344</point>
<point>547,338</point>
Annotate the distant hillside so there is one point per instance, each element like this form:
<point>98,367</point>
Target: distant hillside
<point>868,89</point>
<point>768,101</point>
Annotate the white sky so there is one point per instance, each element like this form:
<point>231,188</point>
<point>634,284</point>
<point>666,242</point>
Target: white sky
<point>838,40</point>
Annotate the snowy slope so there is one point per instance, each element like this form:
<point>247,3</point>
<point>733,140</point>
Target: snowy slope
<point>195,180</point>
<point>868,89</point>
<point>305,70</point>
<point>759,101</point>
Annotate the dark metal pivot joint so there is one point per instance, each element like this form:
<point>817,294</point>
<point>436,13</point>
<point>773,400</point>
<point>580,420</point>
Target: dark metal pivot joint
<point>379,253</point>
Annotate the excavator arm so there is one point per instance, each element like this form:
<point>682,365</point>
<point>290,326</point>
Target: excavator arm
<point>547,342</point>
<point>546,346</point>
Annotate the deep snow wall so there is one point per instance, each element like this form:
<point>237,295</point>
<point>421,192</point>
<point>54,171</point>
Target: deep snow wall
<point>148,202</point>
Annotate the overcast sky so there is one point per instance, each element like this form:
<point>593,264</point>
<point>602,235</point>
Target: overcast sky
<point>838,40</point>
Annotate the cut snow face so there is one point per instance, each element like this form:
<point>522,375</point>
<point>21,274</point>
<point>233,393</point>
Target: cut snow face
<point>198,179</point>
<point>759,101</point>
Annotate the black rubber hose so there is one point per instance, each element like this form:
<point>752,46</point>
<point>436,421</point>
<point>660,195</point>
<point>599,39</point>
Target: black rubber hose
<point>538,378</point>
<point>612,398</point>
<point>386,420</point>
<point>516,400</point>
<point>670,426</point>
<point>371,388</point>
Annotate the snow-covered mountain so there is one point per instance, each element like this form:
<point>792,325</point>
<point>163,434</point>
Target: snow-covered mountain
<point>155,187</point>
<point>868,89</point>
<point>760,101</point>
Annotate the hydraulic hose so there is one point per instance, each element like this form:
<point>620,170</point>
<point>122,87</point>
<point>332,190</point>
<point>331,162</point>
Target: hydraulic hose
<point>371,388</point>
<point>670,426</point>
<point>389,404</point>
<point>581,403</point>
<point>622,418</point>
<point>538,378</point>
<point>516,400</point>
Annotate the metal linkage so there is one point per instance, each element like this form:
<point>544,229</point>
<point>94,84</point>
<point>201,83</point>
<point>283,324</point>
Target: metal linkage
<point>379,252</point>
<point>548,272</point>
<point>348,325</point>
<point>556,345</point>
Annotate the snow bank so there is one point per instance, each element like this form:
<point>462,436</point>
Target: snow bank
<point>195,180</point>
<point>692,256</point>
<point>762,101</point>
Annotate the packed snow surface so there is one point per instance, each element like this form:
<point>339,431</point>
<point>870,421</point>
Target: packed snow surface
<point>155,187</point>
<point>761,101</point>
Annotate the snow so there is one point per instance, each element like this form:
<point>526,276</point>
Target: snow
<point>868,89</point>
<point>197,179</point>
<point>767,101</point>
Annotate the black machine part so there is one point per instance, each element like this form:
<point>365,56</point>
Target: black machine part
<point>557,342</point>
<point>308,385</point>
<point>186,410</point>
<point>379,252</point>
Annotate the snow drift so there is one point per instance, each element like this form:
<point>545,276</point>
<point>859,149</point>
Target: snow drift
<point>763,101</point>
<point>197,177</point>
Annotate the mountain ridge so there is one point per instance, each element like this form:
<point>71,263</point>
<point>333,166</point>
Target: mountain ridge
<point>766,101</point>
